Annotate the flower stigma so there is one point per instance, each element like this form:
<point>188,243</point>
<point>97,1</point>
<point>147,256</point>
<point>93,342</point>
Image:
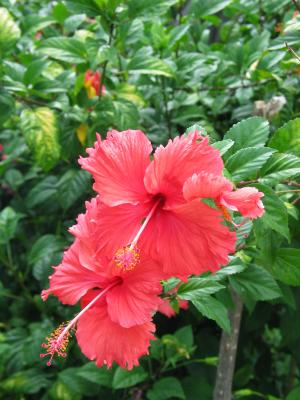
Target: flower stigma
<point>58,340</point>
<point>127,258</point>
<point>56,343</point>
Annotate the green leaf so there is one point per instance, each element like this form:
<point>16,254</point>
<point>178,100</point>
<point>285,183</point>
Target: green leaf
<point>197,287</point>
<point>166,388</point>
<point>203,8</point>
<point>9,31</point>
<point>73,22</point>
<point>150,66</point>
<point>62,391</point>
<point>7,106</point>
<point>185,335</point>
<point>213,309</point>
<point>124,378</point>
<point>71,186</point>
<point>177,33</point>
<point>8,224</point>
<point>245,163</point>
<point>29,381</point>
<point>126,115</point>
<point>287,138</point>
<point>44,193</point>
<point>243,393</point>
<point>256,283</point>
<point>65,49</point>
<point>14,178</point>
<point>280,167</point>
<point>92,373</point>
<point>197,128</point>
<point>235,266</point>
<point>60,12</point>
<point>294,394</point>
<point>251,132</point>
<point>45,253</point>
<point>70,379</point>
<point>223,146</point>
<point>276,215</point>
<point>90,7</point>
<point>40,129</point>
<point>286,266</point>
<point>34,70</point>
<point>148,8</point>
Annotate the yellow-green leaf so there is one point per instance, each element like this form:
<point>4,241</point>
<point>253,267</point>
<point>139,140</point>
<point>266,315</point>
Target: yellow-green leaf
<point>9,30</point>
<point>40,129</point>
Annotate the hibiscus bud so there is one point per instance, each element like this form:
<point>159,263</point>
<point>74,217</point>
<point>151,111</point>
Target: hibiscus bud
<point>92,83</point>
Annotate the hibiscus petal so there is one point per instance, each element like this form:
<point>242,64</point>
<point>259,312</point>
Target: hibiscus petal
<point>205,185</point>
<point>166,309</point>
<point>246,200</point>
<point>105,341</point>
<point>71,280</point>
<point>116,226</point>
<point>175,163</point>
<point>136,299</point>
<point>118,166</point>
<point>189,239</point>
<point>86,232</point>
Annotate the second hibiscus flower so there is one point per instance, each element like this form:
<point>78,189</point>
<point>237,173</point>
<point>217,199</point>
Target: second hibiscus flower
<point>156,206</point>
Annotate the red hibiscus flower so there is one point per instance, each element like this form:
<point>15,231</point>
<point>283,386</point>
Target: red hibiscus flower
<point>118,299</point>
<point>148,204</point>
<point>92,83</point>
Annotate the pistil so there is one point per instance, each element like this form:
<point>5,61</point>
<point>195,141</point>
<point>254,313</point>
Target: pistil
<point>58,341</point>
<point>126,258</point>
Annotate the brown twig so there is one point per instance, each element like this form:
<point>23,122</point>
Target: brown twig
<point>290,49</point>
<point>227,353</point>
<point>31,101</point>
<point>245,183</point>
<point>296,201</point>
<point>292,183</point>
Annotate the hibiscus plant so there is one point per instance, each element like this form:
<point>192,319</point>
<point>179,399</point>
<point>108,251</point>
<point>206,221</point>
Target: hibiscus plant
<point>150,193</point>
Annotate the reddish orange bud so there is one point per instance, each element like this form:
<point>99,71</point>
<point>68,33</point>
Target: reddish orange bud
<point>92,83</point>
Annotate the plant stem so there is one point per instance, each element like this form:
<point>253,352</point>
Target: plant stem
<point>111,32</point>
<point>292,51</point>
<point>296,201</point>
<point>288,191</point>
<point>292,183</point>
<point>245,183</point>
<point>167,112</point>
<point>227,353</point>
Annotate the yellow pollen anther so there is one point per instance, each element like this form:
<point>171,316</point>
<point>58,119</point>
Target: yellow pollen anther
<point>127,258</point>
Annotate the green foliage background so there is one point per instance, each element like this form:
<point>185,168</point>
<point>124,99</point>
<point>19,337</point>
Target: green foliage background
<point>166,65</point>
